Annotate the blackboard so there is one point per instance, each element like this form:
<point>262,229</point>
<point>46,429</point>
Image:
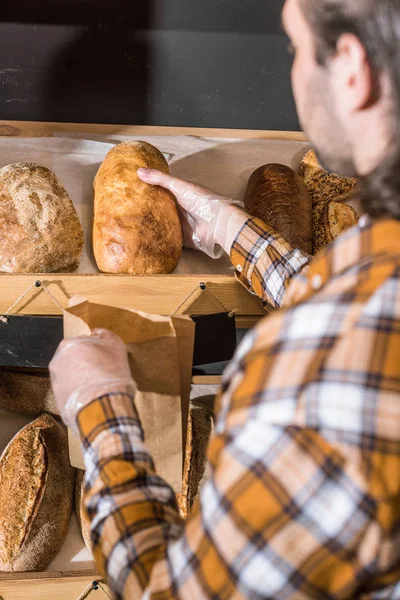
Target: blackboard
<point>209,63</point>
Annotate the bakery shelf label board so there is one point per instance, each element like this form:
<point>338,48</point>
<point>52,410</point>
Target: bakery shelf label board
<point>29,342</point>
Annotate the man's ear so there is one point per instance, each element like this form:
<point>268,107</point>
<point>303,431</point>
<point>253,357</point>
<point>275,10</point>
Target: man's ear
<point>352,74</point>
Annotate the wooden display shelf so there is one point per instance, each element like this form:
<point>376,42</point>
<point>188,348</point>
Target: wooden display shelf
<point>157,294</point>
<point>49,129</point>
<point>49,586</point>
<point>160,294</point>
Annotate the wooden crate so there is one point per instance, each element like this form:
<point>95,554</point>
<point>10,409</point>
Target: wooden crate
<point>160,294</point>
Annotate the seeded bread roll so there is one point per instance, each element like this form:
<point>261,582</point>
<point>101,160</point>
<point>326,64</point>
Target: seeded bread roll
<point>39,228</point>
<point>276,195</point>
<point>36,494</point>
<point>330,220</point>
<point>136,226</point>
<point>323,186</point>
<point>83,519</point>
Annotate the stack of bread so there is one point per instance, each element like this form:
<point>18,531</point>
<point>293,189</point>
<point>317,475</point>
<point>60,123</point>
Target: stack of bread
<point>328,192</point>
<point>307,209</point>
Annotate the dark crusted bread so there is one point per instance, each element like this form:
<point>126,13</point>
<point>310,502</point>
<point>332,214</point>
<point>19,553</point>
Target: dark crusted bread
<point>276,195</point>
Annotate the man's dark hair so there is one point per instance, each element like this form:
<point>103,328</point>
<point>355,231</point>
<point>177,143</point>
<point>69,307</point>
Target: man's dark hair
<point>376,23</point>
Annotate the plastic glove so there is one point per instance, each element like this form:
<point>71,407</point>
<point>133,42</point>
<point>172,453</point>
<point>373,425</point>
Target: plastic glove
<point>209,222</point>
<point>87,367</point>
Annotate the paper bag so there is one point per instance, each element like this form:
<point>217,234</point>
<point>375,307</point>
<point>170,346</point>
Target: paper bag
<point>160,355</point>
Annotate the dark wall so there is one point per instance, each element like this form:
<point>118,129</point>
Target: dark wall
<point>209,63</point>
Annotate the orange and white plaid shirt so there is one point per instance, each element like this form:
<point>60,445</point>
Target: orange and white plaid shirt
<point>302,500</point>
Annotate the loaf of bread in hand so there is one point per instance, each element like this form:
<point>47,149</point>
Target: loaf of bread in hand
<point>36,495</point>
<point>330,219</point>
<point>39,228</point>
<point>276,195</point>
<point>136,227</point>
<point>323,186</point>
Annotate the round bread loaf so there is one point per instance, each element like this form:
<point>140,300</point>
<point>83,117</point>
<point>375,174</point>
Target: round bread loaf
<point>276,195</point>
<point>323,186</point>
<point>36,495</point>
<point>136,227</point>
<point>39,228</point>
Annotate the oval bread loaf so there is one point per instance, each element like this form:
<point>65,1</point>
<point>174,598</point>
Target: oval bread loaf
<point>323,186</point>
<point>39,228</point>
<point>276,195</point>
<point>36,495</point>
<point>136,227</point>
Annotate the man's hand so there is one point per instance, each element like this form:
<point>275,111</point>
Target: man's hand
<point>209,222</point>
<point>87,367</point>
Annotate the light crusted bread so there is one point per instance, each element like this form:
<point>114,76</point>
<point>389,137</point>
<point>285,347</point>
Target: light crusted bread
<point>83,519</point>
<point>39,228</point>
<point>276,195</point>
<point>136,227</point>
<point>26,393</point>
<point>330,220</point>
<point>36,495</point>
<point>323,186</point>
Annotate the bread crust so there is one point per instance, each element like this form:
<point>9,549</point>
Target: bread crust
<point>323,186</point>
<point>276,195</point>
<point>35,505</point>
<point>330,219</point>
<point>136,227</point>
<point>39,227</point>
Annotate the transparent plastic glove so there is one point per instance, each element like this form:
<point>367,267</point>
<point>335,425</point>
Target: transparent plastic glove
<point>209,222</point>
<point>87,367</point>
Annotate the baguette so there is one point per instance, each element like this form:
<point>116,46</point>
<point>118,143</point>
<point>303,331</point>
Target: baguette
<point>330,220</point>
<point>136,227</point>
<point>276,195</point>
<point>323,186</point>
<point>35,505</point>
<point>39,228</point>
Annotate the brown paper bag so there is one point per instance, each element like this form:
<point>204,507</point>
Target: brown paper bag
<point>161,355</point>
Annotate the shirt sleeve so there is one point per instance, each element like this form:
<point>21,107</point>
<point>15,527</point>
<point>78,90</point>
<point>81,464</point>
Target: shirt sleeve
<point>264,261</point>
<point>281,513</point>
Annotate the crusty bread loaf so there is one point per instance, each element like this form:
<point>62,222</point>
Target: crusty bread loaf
<point>136,226</point>
<point>26,393</point>
<point>39,227</point>
<point>83,519</point>
<point>330,220</point>
<point>323,186</point>
<point>36,495</point>
<point>276,195</point>
<point>198,435</point>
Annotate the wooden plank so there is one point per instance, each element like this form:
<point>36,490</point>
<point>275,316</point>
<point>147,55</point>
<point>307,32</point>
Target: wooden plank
<point>158,294</point>
<point>63,587</point>
<point>206,380</point>
<point>48,129</point>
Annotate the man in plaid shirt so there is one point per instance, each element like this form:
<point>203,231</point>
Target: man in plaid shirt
<point>303,494</point>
